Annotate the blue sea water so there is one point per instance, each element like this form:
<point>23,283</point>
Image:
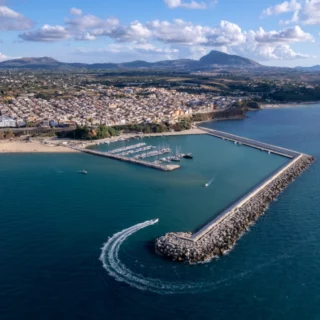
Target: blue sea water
<point>54,222</point>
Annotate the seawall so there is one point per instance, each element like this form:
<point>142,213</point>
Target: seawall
<point>220,235</point>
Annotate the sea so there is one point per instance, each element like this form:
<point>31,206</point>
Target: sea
<point>76,246</point>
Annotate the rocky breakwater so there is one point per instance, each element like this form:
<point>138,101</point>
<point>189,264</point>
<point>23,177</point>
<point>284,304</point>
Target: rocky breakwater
<point>225,231</point>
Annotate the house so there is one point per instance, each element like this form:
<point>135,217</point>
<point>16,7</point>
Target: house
<point>7,122</point>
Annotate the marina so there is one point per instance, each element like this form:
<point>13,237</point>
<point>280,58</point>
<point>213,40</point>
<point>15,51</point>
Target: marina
<point>129,160</point>
<point>141,153</point>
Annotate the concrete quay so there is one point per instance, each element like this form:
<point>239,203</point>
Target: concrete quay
<point>169,167</point>
<point>219,235</point>
<point>252,143</point>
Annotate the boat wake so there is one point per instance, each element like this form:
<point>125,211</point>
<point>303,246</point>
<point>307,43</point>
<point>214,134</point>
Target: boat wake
<point>116,269</point>
<point>208,184</point>
<point>111,262</point>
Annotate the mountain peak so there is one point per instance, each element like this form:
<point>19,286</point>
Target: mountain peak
<point>221,58</point>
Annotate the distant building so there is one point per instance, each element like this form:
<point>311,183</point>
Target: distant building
<point>7,122</point>
<point>21,123</point>
<point>45,124</point>
<point>54,123</point>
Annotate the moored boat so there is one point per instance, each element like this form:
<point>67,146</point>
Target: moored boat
<point>188,156</point>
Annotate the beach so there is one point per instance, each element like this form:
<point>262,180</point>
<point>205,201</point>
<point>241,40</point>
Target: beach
<point>54,146</point>
<point>30,147</point>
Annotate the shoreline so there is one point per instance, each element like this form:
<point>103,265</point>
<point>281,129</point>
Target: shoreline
<point>32,147</point>
<point>288,105</point>
<point>221,119</point>
<point>193,131</point>
<point>54,146</point>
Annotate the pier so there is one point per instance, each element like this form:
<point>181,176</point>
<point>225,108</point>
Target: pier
<point>252,143</point>
<point>128,148</point>
<point>126,153</point>
<point>169,167</point>
<point>153,153</point>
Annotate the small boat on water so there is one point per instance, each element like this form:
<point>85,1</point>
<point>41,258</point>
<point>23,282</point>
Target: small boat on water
<point>83,172</point>
<point>188,156</point>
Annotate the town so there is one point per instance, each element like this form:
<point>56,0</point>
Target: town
<point>96,104</point>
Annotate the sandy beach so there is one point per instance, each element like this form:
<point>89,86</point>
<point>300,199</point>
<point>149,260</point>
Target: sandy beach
<point>18,146</point>
<point>30,147</point>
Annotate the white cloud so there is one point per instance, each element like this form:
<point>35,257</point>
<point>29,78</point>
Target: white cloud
<point>136,31</point>
<point>85,37</point>
<point>294,34</point>
<point>75,12</point>
<point>46,34</point>
<point>307,11</point>
<point>12,20</point>
<point>4,57</point>
<point>283,7</point>
<point>119,52</point>
<point>164,38</point>
<point>266,50</point>
<point>172,4</point>
<point>310,14</point>
<point>90,21</point>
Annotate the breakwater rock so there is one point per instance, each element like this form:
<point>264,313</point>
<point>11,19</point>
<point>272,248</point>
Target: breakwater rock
<point>223,235</point>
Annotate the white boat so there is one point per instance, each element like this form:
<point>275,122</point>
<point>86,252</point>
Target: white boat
<point>83,171</point>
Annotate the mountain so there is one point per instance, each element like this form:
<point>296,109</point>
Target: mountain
<point>221,58</point>
<point>309,69</point>
<point>30,62</point>
<point>215,59</point>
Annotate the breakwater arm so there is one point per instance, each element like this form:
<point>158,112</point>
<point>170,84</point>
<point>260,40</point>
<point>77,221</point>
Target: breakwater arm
<point>220,235</point>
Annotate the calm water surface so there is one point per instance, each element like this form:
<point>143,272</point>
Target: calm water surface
<point>54,222</point>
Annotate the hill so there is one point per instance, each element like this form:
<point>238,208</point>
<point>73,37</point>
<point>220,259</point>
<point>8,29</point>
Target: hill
<point>309,69</point>
<point>212,60</point>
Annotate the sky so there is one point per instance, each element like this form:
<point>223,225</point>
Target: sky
<point>271,32</point>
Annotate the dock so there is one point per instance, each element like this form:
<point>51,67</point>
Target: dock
<point>169,167</point>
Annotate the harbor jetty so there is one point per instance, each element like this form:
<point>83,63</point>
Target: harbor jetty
<point>219,236</point>
<point>168,167</point>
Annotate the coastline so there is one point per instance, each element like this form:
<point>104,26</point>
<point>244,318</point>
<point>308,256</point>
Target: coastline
<point>221,119</point>
<point>193,131</point>
<point>18,146</point>
<point>288,105</point>
<point>31,147</point>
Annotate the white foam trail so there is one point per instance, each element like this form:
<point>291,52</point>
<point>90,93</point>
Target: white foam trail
<point>111,262</point>
<point>210,182</point>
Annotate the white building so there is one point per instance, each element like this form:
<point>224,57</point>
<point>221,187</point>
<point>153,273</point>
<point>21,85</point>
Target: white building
<point>7,122</point>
